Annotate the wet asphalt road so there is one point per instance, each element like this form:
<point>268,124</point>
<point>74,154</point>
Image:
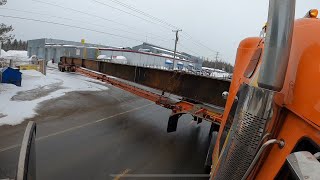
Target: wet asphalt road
<point>92,135</point>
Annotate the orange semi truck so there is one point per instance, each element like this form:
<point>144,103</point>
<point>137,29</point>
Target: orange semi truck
<point>270,128</point>
<point>271,124</point>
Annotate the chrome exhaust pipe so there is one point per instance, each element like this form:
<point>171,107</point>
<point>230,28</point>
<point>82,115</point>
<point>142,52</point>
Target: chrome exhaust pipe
<point>277,44</point>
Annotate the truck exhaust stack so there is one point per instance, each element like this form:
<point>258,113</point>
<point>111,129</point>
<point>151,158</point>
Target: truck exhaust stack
<point>277,44</point>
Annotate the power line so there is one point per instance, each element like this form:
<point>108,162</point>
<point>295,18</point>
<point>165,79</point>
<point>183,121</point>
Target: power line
<point>199,43</point>
<point>196,42</point>
<point>81,12</point>
<point>92,15</point>
<point>72,26</point>
<point>42,14</point>
<point>144,13</point>
<point>126,12</point>
<point>188,49</point>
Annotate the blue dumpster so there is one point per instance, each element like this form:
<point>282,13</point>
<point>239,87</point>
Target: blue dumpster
<point>10,76</point>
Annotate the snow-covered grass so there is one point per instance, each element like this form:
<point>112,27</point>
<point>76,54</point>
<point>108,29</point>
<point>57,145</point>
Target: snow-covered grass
<point>19,103</point>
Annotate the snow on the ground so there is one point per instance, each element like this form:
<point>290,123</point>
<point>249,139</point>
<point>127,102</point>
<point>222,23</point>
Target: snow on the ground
<point>15,54</point>
<point>19,103</point>
<point>220,75</point>
<point>216,72</point>
<point>3,53</point>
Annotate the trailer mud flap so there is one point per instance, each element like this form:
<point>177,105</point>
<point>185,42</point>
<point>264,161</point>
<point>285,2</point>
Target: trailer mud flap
<point>173,123</point>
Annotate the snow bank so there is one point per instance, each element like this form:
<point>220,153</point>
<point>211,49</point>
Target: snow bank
<point>37,88</point>
<point>52,65</point>
<point>119,59</point>
<point>19,54</point>
<point>101,57</point>
<point>3,53</point>
<point>216,72</point>
<point>220,75</point>
<point>15,55</point>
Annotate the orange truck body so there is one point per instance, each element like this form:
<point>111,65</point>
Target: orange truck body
<point>297,104</point>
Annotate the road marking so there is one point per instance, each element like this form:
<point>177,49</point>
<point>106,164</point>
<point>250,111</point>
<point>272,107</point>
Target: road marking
<point>77,127</point>
<point>117,177</point>
<point>10,147</point>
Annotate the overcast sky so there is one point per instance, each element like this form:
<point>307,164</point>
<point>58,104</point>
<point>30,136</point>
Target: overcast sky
<point>216,25</point>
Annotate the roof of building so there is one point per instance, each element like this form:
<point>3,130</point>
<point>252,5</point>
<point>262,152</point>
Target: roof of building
<point>162,48</point>
<point>182,54</point>
<point>49,41</point>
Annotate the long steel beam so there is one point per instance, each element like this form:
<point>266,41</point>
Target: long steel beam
<point>189,86</point>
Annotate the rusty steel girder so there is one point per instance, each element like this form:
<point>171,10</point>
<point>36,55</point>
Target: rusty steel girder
<point>189,86</point>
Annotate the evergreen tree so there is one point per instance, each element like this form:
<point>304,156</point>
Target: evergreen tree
<point>20,45</point>
<point>8,45</point>
<point>15,45</point>
<point>218,65</point>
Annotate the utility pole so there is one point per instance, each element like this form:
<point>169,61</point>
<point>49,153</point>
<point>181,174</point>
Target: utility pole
<point>176,42</point>
<point>216,60</point>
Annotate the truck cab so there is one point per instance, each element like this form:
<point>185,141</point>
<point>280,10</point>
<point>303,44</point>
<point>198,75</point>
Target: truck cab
<point>271,127</point>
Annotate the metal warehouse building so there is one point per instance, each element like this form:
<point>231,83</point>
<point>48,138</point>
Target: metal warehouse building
<point>139,58</point>
<point>49,49</point>
<point>151,55</point>
<point>147,47</point>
